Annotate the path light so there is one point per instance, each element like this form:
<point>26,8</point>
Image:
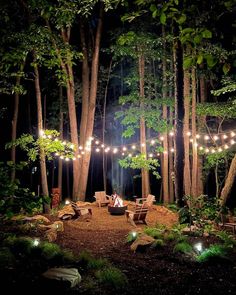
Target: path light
<point>198,247</point>
<point>134,234</point>
<point>161,138</point>
<point>36,242</point>
<point>188,133</point>
<point>225,136</point>
<point>152,142</point>
<point>206,137</point>
<point>171,133</point>
<point>67,202</point>
<point>133,147</point>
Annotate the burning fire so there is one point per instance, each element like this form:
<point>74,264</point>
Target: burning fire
<point>118,202</point>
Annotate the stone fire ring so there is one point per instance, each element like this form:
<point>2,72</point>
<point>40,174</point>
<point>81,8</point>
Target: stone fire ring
<point>117,210</point>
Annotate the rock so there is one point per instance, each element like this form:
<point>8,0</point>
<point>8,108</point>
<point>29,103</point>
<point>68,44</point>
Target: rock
<point>142,242</point>
<point>66,213</point>
<point>39,218</point>
<point>51,235</point>
<point>69,275</point>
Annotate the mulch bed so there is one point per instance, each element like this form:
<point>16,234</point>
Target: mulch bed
<point>155,271</point>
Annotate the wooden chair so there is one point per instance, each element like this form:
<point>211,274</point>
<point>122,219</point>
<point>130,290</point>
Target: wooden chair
<point>102,198</point>
<point>147,201</point>
<point>139,215</point>
<point>80,211</point>
<point>226,224</point>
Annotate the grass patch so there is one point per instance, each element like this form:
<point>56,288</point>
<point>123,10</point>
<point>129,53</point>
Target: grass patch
<point>159,243</point>
<point>183,247</point>
<point>154,232</point>
<point>97,263</point>
<point>112,277</point>
<point>213,252</point>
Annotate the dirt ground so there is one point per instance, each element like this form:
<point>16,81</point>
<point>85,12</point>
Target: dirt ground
<point>154,271</point>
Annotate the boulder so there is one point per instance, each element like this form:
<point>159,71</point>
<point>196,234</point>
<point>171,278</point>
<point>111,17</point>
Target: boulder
<point>66,213</point>
<point>51,235</point>
<point>142,242</point>
<point>67,275</point>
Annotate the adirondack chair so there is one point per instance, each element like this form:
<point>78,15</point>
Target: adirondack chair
<point>79,211</point>
<point>102,198</point>
<point>139,215</point>
<point>148,201</point>
<point>224,224</point>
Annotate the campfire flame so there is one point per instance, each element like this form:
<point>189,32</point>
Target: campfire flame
<point>118,202</point>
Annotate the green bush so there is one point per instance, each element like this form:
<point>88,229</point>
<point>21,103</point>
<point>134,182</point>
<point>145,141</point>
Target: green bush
<point>112,277</point>
<point>213,252</point>
<point>6,258</point>
<point>131,237</point>
<point>97,263</point>
<point>159,243</point>
<point>183,247</point>
<point>228,239</point>
<point>154,232</point>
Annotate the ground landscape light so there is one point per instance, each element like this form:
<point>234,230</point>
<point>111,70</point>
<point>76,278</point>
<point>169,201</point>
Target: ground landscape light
<point>134,234</point>
<point>67,202</point>
<point>198,247</point>
<point>36,242</point>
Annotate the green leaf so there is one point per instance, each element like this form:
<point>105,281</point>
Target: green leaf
<point>188,61</point>
<point>163,18</point>
<point>207,34</point>
<point>211,61</point>
<point>153,8</point>
<point>182,19</point>
<point>197,39</point>
<point>226,68</point>
<point>199,59</point>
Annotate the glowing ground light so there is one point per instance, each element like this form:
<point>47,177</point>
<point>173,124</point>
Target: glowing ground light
<point>134,234</point>
<point>198,247</point>
<point>36,242</point>
<point>67,202</point>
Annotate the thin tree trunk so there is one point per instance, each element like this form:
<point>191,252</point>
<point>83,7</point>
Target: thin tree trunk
<point>91,108</point>
<point>43,169</point>
<point>227,189</point>
<point>187,175</point>
<point>14,128</point>
<point>143,147</point>
<point>202,119</point>
<point>60,161</point>
<point>179,117</point>
<point>165,175</point>
<point>194,133</point>
<point>104,130</point>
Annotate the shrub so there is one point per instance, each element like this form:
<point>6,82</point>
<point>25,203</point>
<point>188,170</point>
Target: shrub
<point>213,252</point>
<point>112,276</point>
<point>183,247</point>
<point>97,263</point>
<point>153,232</point>
<point>6,257</point>
<point>159,243</point>
<point>228,239</point>
<point>131,237</point>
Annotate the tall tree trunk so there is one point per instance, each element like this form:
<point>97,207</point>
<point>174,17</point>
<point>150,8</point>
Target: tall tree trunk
<point>104,158</point>
<point>91,108</point>
<point>187,175</point>
<point>179,117</point>
<point>60,161</point>
<point>143,147</point>
<point>165,174</point>
<point>194,133</point>
<point>14,128</point>
<point>43,169</point>
<point>70,88</point>
<point>227,189</point>
<point>202,119</point>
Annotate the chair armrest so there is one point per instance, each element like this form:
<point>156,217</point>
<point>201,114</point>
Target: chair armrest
<point>139,200</point>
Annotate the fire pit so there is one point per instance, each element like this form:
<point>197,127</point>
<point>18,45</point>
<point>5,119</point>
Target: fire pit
<point>117,210</point>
